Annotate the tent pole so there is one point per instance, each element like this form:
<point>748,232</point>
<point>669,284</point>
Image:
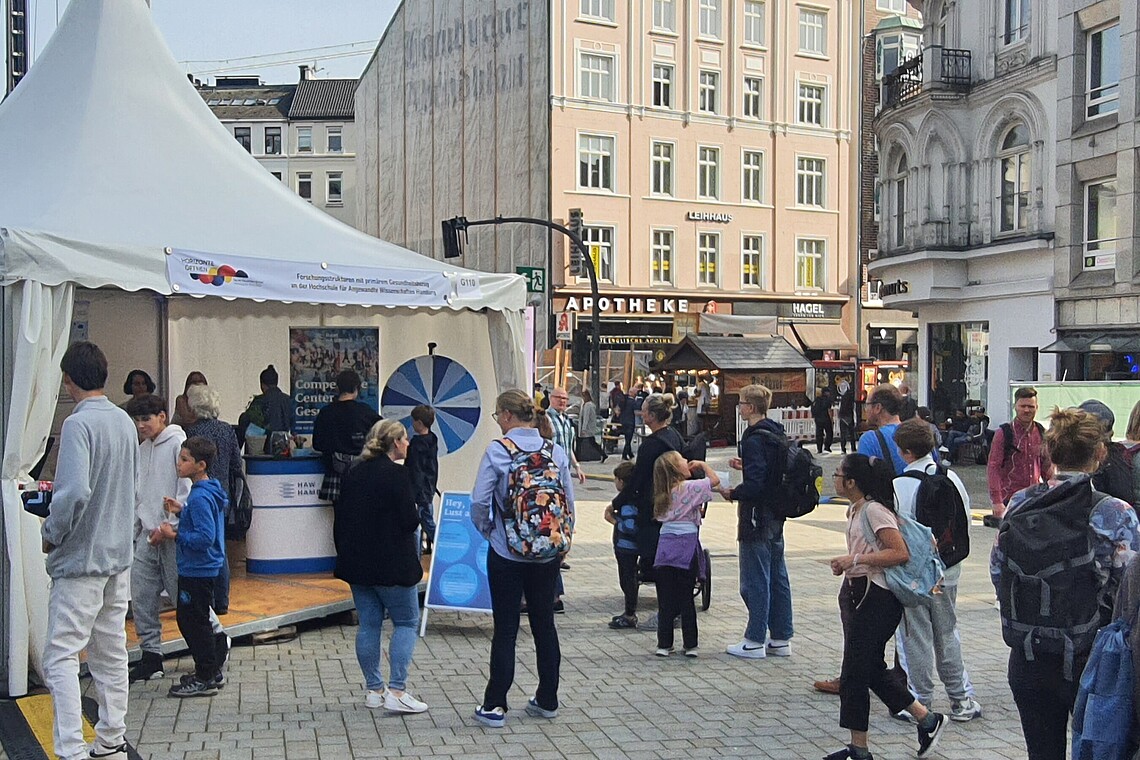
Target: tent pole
<point>5,404</point>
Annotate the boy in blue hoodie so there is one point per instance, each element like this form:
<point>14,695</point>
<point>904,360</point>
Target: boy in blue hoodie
<point>200,554</point>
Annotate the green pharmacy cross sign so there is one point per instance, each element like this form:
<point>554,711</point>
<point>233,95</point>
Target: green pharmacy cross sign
<point>535,278</point>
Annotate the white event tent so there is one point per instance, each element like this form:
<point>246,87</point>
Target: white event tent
<point>116,183</point>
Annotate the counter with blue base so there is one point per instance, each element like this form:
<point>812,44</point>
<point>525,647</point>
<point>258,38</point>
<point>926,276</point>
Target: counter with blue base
<point>292,528</point>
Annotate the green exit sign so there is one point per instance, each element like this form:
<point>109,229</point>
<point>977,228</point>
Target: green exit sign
<point>535,278</point>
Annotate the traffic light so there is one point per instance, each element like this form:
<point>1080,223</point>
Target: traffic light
<point>576,225</point>
<point>452,242</point>
<point>580,350</point>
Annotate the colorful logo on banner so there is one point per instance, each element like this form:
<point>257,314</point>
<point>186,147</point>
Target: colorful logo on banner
<point>441,383</point>
<point>218,276</point>
<point>458,579</point>
<point>317,355</point>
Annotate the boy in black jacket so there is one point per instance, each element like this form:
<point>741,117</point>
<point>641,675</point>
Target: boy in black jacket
<point>423,466</point>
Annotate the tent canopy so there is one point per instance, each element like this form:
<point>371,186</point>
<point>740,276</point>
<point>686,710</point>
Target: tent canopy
<point>110,156</point>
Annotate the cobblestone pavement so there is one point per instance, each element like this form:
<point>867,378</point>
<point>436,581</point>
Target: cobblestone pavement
<point>304,699</point>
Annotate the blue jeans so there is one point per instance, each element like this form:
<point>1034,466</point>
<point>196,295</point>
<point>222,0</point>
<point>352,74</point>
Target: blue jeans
<point>402,605</point>
<point>765,589</point>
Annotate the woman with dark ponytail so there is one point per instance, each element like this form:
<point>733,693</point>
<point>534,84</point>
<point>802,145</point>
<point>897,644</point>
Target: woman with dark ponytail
<point>870,612</point>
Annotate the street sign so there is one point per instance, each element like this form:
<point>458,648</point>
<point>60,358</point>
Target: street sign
<point>535,278</point>
<point>596,257</point>
<point>564,325</point>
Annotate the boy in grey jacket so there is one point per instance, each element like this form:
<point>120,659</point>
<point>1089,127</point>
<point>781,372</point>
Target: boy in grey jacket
<point>87,539</point>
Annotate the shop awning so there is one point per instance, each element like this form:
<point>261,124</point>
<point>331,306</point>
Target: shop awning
<point>821,337</point>
<point>1080,343</point>
<point>710,352</point>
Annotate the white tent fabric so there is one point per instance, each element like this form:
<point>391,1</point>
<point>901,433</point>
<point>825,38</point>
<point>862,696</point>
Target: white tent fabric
<point>111,155</point>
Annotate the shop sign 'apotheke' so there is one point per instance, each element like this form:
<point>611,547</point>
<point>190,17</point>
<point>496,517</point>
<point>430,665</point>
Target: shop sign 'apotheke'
<point>624,305</point>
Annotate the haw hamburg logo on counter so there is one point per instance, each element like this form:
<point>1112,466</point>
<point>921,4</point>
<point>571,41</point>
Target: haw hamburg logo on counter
<point>218,276</point>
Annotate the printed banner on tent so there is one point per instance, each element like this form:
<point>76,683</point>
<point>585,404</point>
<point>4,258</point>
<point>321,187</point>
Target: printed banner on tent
<point>196,273</point>
<point>458,579</point>
<point>317,355</point>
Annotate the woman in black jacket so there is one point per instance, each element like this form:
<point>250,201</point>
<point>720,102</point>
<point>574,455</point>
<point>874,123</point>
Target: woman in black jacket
<point>374,527</point>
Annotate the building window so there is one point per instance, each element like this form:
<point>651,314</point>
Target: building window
<point>1014,190</point>
<point>335,188</point>
<point>595,162</point>
<point>603,238</point>
<point>243,136</point>
<point>305,186</point>
<point>1103,85</point>
<point>810,104</point>
<point>661,257</point>
<point>878,201</point>
<point>706,93</point>
<point>664,15</point>
<point>809,263</point>
<point>596,77</point>
<point>752,165</point>
<point>304,139</point>
<point>900,178</point>
<point>892,50</point>
<point>892,6</point>
<point>813,32</point>
<point>754,22</point>
<point>335,140</point>
<point>662,85</point>
<point>708,258</point>
<point>276,175</point>
<point>810,182</point>
<point>600,9</point>
<point>1100,224</point>
<point>273,141</point>
<point>753,98</point>
<point>709,19</point>
<point>1016,20</point>
<point>661,179</point>
<point>708,173</point>
<point>752,261</point>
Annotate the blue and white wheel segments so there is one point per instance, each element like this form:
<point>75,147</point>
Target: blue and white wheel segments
<point>441,383</point>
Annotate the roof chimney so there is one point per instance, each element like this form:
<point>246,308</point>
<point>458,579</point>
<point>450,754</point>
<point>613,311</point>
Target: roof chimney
<point>306,72</point>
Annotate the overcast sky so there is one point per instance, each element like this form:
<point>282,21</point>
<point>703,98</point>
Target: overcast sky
<point>201,30</point>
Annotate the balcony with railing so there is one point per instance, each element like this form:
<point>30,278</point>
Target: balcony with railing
<point>935,68</point>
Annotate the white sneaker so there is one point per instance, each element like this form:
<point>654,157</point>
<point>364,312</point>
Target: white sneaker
<point>664,652</point>
<point>375,699</point>
<point>964,711</point>
<point>747,649</point>
<point>405,703</point>
<point>778,648</point>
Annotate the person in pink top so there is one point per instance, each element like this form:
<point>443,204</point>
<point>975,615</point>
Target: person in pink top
<point>677,505</point>
<point>1018,458</point>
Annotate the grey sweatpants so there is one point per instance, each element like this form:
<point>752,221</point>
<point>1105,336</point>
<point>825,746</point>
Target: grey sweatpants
<point>929,637</point>
<point>153,571</point>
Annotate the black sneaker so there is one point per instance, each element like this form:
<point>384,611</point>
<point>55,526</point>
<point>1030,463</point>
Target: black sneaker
<point>559,607</point>
<point>219,680</point>
<point>192,686</point>
<point>845,754</point>
<point>928,740</point>
<point>148,668</point>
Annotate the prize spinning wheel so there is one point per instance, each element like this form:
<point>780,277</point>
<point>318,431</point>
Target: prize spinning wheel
<point>443,384</point>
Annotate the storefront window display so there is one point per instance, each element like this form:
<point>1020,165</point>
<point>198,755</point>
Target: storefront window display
<point>959,366</point>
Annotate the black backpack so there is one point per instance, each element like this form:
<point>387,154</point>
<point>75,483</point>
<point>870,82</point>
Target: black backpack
<point>1115,474</point>
<point>799,480</point>
<point>1007,437</point>
<point>1048,588</point>
<point>938,505</point>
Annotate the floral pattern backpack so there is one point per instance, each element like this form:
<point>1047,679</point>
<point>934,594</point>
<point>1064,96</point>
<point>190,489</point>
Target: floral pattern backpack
<point>536,517</point>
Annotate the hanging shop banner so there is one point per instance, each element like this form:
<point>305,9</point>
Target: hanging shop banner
<point>458,579</point>
<point>203,274</point>
<point>317,355</point>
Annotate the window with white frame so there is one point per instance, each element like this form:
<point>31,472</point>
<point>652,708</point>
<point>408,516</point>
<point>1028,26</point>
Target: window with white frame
<point>753,97</point>
<point>335,188</point>
<point>305,185</point>
<point>810,103</point>
<point>893,50</point>
<point>603,238</point>
<point>1102,91</point>
<point>661,169</point>
<point>752,172</point>
<point>596,76</point>
<point>661,257</point>
<point>304,139</point>
<point>1013,193</point>
<point>335,140</point>
<point>752,261</point>
<point>708,172</point>
<point>665,15</point>
<point>595,162</point>
<point>1100,224</point>
<point>810,189</point>
<point>810,253</point>
<point>899,175</point>
<point>892,6</point>
<point>813,32</point>
<point>708,258</point>
<point>1016,20</point>
<point>662,85</point>
<point>600,9</point>
<point>707,84</point>
<point>708,20</point>
<point>754,13</point>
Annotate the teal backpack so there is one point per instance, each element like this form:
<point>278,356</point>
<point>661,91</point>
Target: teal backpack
<point>1102,716</point>
<point>914,582</point>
